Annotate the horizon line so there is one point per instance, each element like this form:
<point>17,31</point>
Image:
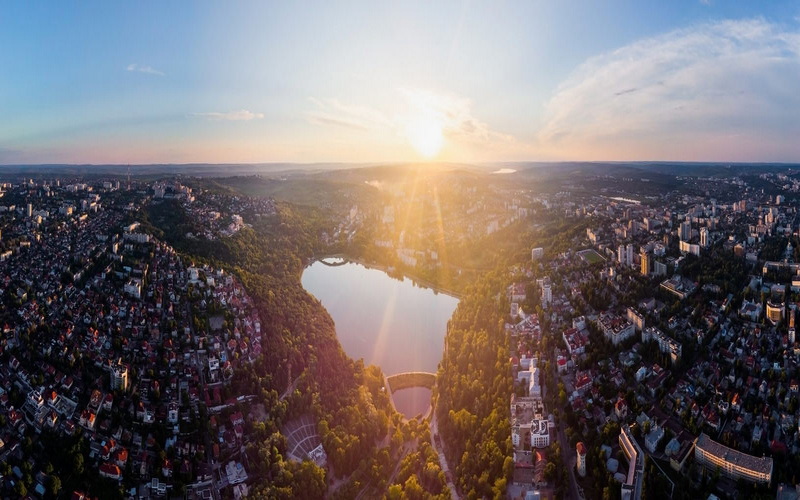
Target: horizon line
<point>401,162</point>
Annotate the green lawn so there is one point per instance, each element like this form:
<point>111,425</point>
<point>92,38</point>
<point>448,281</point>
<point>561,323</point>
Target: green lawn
<point>591,256</point>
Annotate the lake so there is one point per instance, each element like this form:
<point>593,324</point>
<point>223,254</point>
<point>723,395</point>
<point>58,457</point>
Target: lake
<point>394,324</point>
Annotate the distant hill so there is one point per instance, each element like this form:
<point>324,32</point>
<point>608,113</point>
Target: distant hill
<point>362,171</point>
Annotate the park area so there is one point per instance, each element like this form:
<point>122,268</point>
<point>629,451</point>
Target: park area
<point>591,256</point>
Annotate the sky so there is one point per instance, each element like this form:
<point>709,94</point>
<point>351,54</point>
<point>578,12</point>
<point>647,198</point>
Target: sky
<point>457,81</point>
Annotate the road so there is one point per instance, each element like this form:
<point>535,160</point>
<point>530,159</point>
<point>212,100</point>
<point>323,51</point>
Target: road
<point>575,492</point>
<point>442,459</point>
<point>567,453</point>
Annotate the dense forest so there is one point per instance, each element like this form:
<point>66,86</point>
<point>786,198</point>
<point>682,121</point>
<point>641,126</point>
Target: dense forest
<point>474,383</point>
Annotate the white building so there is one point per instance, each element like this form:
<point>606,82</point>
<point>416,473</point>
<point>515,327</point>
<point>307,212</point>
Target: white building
<point>547,294</point>
<point>704,237</point>
<point>636,318</point>
<point>137,237</point>
<point>235,473</point>
<point>133,288</point>
<point>629,255</point>
<point>119,377</point>
<point>653,438</point>
<point>532,378</point>
<point>615,328</point>
<point>632,487</point>
<point>692,248</point>
<point>666,344</point>
<point>540,433</point>
<point>580,465</point>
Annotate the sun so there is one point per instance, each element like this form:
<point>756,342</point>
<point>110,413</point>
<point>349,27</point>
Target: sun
<point>424,132</point>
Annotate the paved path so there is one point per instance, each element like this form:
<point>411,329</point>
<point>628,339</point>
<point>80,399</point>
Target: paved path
<point>442,459</point>
<point>291,388</point>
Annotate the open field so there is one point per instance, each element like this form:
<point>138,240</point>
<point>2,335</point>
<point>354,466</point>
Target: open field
<point>591,256</point>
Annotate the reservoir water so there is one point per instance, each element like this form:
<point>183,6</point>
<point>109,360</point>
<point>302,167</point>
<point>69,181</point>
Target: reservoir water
<point>394,324</point>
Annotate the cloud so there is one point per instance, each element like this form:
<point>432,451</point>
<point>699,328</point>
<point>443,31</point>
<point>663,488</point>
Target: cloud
<point>452,113</point>
<point>333,112</point>
<point>626,91</point>
<point>142,68</point>
<point>231,116</point>
<point>724,83</point>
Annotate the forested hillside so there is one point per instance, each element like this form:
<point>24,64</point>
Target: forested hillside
<point>474,382</point>
<point>348,401</point>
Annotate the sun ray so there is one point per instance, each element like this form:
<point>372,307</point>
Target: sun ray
<point>382,337</point>
<point>410,206</point>
<point>441,249</point>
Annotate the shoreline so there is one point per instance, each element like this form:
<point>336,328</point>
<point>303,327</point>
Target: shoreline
<point>423,283</point>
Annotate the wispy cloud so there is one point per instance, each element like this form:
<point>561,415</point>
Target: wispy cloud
<point>453,113</point>
<point>333,112</point>
<point>723,83</point>
<point>626,91</point>
<point>231,116</point>
<point>143,68</point>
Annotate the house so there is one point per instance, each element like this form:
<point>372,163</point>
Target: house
<point>621,409</point>
<point>583,382</point>
<point>110,471</point>
<point>653,438</point>
<point>750,310</point>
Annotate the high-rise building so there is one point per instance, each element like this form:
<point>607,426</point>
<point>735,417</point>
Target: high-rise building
<point>686,230</point>
<point>704,237</point>
<point>29,210</point>
<point>547,294</point>
<point>629,255</point>
<point>119,377</point>
<point>621,254</point>
<point>645,263</point>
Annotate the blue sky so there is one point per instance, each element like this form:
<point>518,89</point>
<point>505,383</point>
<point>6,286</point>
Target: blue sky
<point>145,82</point>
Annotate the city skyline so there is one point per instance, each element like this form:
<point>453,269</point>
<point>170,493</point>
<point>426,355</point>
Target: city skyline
<point>452,82</point>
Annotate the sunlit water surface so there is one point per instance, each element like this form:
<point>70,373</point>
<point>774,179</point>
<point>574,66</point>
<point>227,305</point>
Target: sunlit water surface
<point>391,323</point>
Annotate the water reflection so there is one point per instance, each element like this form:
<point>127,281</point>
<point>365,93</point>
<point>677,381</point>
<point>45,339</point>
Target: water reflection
<point>388,322</point>
<point>413,401</point>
